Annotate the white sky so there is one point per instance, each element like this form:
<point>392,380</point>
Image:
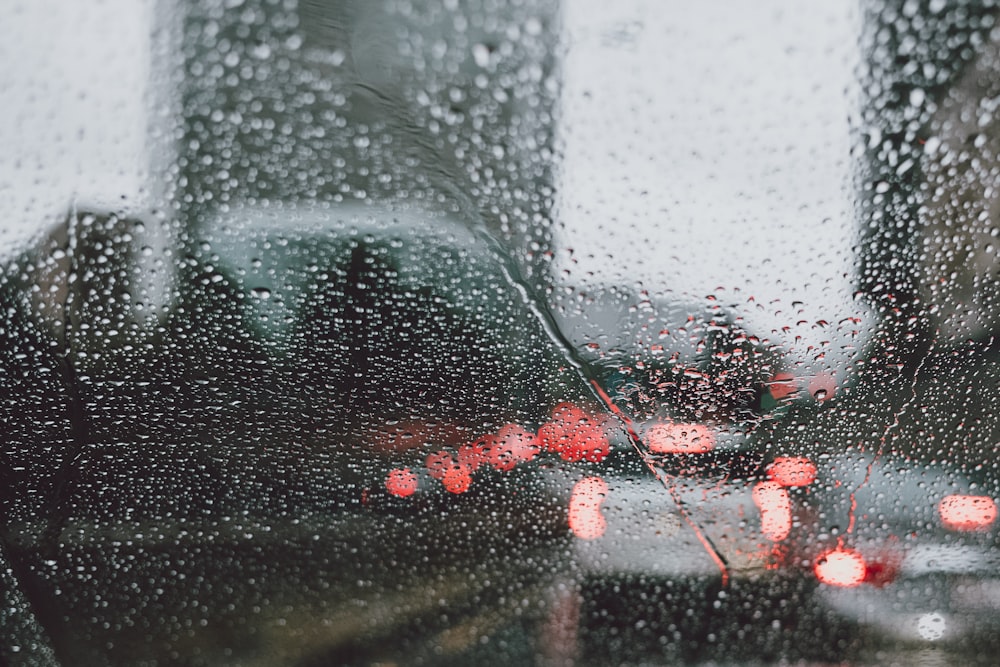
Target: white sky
<point>72,123</point>
<point>707,152</point>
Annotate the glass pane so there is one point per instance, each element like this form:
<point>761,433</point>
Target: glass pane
<point>461,332</point>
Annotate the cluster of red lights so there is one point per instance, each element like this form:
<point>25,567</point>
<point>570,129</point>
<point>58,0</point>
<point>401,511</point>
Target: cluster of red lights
<point>575,434</point>
<point>847,568</point>
<point>572,433</point>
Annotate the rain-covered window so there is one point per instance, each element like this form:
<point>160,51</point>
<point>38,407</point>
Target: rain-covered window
<point>450,332</point>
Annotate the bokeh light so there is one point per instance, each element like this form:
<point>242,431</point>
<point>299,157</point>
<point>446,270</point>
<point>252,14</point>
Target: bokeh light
<point>674,438</point>
<point>585,518</point>
<point>792,471</point>
<point>841,567</point>
<point>775,510</point>
<point>401,482</point>
<point>967,513</point>
<point>513,444</point>
<point>575,434</point>
<point>457,478</point>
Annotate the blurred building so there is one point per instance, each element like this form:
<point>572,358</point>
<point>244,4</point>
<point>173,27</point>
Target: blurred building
<point>928,177</point>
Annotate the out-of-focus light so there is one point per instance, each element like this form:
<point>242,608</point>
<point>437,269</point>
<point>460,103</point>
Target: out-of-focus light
<point>474,454</point>
<point>575,434</point>
<point>672,438</point>
<point>841,567</point>
<point>782,386</point>
<point>792,471</point>
<point>932,626</point>
<point>438,463</point>
<point>585,518</point>
<point>775,510</point>
<point>512,444</point>
<point>457,478</point>
<point>401,482</point>
<point>966,513</point>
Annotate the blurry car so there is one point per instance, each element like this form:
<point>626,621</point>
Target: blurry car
<point>926,537</point>
<point>887,551</point>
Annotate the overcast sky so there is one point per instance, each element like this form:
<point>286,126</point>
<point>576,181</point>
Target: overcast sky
<point>706,145</point>
<point>73,80</point>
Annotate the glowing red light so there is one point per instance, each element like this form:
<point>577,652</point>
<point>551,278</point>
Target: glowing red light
<point>841,567</point>
<point>775,510</point>
<point>438,463</point>
<point>474,454</point>
<point>961,512</point>
<point>401,482</point>
<point>575,435</point>
<point>782,386</point>
<point>585,518</point>
<point>671,438</point>
<point>457,478</point>
<point>880,573</point>
<point>792,471</point>
<point>512,445</point>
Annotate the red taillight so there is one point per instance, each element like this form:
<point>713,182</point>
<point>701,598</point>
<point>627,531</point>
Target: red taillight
<point>401,482</point>
<point>841,567</point>
<point>457,478</point>
<point>576,435</point>
<point>475,453</point>
<point>512,445</point>
<point>792,471</point>
<point>438,463</point>
<point>775,510</point>
<point>585,518</point>
<point>822,387</point>
<point>967,513</point>
<point>671,438</point>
